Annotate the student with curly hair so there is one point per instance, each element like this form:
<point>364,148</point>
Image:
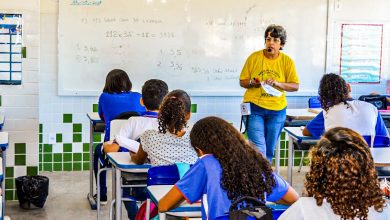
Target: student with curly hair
<point>171,142</point>
<point>229,167</point>
<point>340,110</point>
<point>342,181</point>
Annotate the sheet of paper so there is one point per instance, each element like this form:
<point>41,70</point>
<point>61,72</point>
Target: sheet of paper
<point>271,90</point>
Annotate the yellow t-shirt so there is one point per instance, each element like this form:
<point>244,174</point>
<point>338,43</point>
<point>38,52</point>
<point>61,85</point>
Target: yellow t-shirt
<point>281,69</point>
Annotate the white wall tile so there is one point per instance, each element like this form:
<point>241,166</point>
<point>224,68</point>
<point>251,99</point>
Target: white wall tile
<point>20,171</point>
<point>32,160</point>
<point>19,100</point>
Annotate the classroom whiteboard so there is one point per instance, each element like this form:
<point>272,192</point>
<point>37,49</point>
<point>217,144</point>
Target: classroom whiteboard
<point>198,45</point>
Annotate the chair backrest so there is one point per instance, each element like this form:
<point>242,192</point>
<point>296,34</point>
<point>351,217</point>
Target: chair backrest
<point>379,141</point>
<point>115,127</point>
<point>314,102</point>
<point>379,101</point>
<point>163,175</point>
<point>126,115</point>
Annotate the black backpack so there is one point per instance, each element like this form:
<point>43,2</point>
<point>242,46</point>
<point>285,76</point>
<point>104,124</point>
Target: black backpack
<point>249,208</point>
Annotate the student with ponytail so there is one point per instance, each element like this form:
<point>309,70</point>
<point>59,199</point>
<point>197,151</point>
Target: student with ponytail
<point>171,142</point>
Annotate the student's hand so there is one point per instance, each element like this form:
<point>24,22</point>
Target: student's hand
<point>110,146</point>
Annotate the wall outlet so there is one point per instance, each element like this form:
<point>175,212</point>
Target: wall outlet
<point>51,138</point>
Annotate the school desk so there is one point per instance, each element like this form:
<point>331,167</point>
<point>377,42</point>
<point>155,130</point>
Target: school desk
<point>121,162</point>
<point>3,146</point>
<point>295,134</point>
<point>96,125</point>
<point>292,114</point>
<point>185,209</point>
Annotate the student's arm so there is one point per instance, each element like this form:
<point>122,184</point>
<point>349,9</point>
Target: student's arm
<point>139,157</point>
<point>315,127</point>
<point>290,197</point>
<point>109,146</point>
<point>170,200</point>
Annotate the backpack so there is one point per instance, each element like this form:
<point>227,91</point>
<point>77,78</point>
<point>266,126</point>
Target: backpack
<point>249,208</point>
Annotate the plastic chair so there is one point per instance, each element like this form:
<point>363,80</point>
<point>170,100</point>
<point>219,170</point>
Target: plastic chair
<point>160,175</point>
<point>314,102</point>
<point>379,101</point>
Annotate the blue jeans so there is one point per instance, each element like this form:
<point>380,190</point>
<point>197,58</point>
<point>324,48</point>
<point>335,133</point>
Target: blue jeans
<point>264,127</point>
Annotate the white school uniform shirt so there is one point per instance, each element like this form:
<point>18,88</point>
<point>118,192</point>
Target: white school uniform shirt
<point>357,115</point>
<point>306,208</point>
<point>132,130</point>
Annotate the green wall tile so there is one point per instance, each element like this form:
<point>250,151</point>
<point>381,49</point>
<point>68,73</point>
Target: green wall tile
<point>67,157</point>
<point>77,157</point>
<point>77,166</point>
<point>9,183</point>
<point>48,167</point>
<point>40,138</point>
<point>9,194</point>
<point>85,156</point>
<point>48,157</point>
<point>95,107</point>
<point>77,138</point>
<point>194,108</point>
<point>40,157</point>
<point>0,100</point>
<point>57,166</point>
<point>77,127</point>
<point>97,137</point>
<point>86,166</point>
<point>47,148</point>
<point>20,148</point>
<point>67,147</point>
<point>40,128</point>
<point>57,157</point>
<point>67,118</point>
<point>40,166</point>
<point>40,148</point>
<point>58,138</point>
<point>9,172</point>
<point>24,52</point>
<point>282,135</point>
<point>32,171</point>
<point>67,166</point>
<point>85,147</point>
<point>20,160</point>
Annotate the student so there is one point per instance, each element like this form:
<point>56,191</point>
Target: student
<point>117,98</point>
<point>228,168</point>
<point>342,181</point>
<point>153,92</point>
<point>170,143</point>
<point>339,109</point>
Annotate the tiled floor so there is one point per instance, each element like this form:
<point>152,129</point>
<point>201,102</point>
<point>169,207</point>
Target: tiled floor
<point>67,198</point>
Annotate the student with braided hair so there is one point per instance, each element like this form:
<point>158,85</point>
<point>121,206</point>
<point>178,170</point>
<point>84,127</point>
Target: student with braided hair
<point>229,168</point>
<point>342,182</point>
<point>171,142</point>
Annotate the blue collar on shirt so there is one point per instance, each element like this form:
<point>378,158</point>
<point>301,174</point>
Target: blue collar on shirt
<point>150,114</point>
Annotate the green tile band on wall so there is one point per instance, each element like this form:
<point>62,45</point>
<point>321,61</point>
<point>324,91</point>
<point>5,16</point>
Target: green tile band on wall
<point>32,171</point>
<point>77,127</point>
<point>20,160</point>
<point>58,138</point>
<point>67,118</point>
<point>20,148</point>
<point>95,107</point>
<point>194,108</point>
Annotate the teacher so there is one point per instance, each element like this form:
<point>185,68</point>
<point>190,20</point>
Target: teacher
<point>266,75</point>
